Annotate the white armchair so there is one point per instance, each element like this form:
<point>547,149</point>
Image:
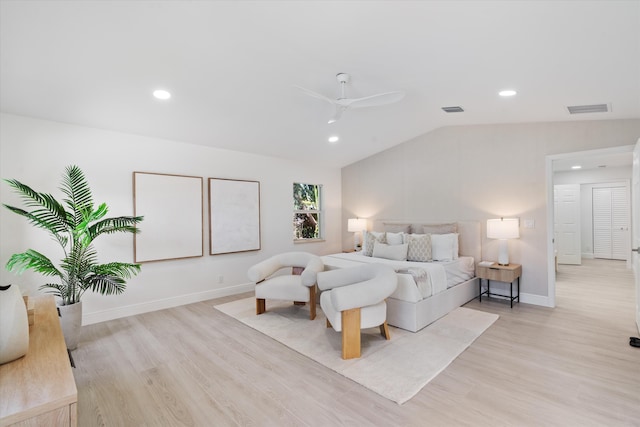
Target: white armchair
<point>296,287</point>
<point>355,300</point>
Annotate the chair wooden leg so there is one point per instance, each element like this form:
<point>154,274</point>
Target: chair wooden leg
<point>351,333</point>
<point>312,302</point>
<point>260,306</point>
<point>299,303</point>
<point>384,330</point>
<point>328,324</point>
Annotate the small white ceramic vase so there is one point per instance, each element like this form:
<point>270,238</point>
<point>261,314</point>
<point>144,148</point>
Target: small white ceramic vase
<point>14,324</point>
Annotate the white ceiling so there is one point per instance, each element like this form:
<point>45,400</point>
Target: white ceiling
<point>231,67</point>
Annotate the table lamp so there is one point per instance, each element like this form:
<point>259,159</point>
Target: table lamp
<point>503,229</point>
<point>356,225</point>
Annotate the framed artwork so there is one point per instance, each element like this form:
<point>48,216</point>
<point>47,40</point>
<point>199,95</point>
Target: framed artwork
<point>234,216</point>
<point>172,206</point>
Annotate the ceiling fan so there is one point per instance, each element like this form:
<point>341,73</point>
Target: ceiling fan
<point>343,103</point>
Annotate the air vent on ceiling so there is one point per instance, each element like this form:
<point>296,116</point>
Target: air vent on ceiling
<point>452,109</point>
<point>580,109</point>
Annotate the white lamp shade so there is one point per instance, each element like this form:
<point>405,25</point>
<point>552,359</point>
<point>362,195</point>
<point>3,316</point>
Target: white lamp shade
<point>356,224</point>
<point>503,228</point>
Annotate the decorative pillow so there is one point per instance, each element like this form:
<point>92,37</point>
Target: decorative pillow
<point>419,247</point>
<point>456,245</point>
<point>442,246</point>
<point>370,237</point>
<point>440,228</point>
<point>394,238</point>
<point>396,228</point>
<point>394,252</point>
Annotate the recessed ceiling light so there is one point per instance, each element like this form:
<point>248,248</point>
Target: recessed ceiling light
<point>508,92</point>
<point>161,94</point>
<point>576,167</point>
<point>333,139</point>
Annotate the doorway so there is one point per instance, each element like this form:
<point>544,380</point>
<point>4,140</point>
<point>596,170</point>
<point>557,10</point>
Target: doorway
<point>591,161</point>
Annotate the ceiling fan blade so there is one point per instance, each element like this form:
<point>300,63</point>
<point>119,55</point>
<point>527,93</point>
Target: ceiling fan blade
<point>337,115</point>
<point>315,94</point>
<point>373,100</point>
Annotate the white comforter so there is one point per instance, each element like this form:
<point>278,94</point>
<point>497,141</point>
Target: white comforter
<point>419,280</point>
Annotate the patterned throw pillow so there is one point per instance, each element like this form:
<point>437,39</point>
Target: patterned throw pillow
<point>370,237</point>
<point>419,247</point>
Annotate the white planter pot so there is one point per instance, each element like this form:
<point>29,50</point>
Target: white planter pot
<point>71,322</point>
<point>14,324</point>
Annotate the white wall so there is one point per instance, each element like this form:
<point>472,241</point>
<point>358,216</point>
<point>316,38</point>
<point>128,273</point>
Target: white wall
<point>36,153</point>
<point>476,173</point>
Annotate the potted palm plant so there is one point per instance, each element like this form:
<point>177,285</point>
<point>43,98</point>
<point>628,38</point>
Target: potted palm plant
<point>74,224</point>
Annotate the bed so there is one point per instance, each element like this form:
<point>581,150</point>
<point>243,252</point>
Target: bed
<point>426,290</point>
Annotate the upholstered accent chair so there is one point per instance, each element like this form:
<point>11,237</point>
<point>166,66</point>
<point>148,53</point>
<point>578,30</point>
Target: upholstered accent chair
<point>354,299</point>
<point>299,285</point>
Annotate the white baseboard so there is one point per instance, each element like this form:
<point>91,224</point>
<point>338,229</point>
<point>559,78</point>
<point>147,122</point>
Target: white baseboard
<point>131,310</point>
<point>525,298</point>
<point>587,256</point>
<point>533,299</point>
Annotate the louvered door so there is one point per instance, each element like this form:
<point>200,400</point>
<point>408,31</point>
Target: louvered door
<point>611,223</point>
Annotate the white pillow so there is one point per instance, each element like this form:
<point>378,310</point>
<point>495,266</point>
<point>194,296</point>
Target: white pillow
<point>395,238</point>
<point>394,252</point>
<point>444,247</point>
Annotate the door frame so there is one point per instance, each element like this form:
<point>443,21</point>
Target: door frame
<point>549,159</point>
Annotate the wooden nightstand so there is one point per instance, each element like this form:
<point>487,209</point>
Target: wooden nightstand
<point>501,273</point>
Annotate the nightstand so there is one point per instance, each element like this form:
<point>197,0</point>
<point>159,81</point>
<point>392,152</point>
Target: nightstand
<point>501,273</point>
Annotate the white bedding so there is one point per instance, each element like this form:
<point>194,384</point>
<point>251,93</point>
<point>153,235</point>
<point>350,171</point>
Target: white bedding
<point>440,275</point>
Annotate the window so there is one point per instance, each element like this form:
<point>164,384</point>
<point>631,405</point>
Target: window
<point>307,211</point>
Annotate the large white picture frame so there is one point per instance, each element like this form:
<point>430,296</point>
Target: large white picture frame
<point>234,216</point>
<point>173,226</point>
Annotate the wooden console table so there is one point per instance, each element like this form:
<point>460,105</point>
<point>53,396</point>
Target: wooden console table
<point>39,389</point>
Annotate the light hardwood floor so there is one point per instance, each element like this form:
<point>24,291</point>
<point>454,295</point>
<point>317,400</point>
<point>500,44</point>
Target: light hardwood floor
<point>194,366</point>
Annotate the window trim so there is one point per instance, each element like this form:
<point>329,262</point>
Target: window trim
<point>319,212</point>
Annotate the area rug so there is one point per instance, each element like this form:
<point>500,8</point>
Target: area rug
<point>396,369</point>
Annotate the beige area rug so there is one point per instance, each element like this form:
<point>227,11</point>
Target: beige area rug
<point>396,369</point>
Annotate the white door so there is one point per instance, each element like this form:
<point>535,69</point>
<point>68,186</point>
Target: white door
<point>635,210</point>
<point>567,223</point>
<point>611,222</point>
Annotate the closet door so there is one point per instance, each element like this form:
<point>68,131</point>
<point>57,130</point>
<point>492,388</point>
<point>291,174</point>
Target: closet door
<point>602,222</point>
<point>611,223</point>
<point>619,223</point>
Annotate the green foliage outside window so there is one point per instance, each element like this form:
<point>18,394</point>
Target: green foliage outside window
<point>306,211</point>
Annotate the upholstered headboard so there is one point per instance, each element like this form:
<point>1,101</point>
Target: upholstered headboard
<point>470,237</point>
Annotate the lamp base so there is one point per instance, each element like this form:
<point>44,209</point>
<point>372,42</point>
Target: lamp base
<point>503,252</point>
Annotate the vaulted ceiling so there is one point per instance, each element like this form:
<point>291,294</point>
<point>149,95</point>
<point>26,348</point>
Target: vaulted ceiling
<point>231,67</point>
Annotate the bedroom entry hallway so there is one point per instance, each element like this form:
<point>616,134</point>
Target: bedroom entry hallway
<point>598,288</point>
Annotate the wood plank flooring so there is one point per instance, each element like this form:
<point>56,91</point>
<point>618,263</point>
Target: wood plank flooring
<point>194,366</point>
